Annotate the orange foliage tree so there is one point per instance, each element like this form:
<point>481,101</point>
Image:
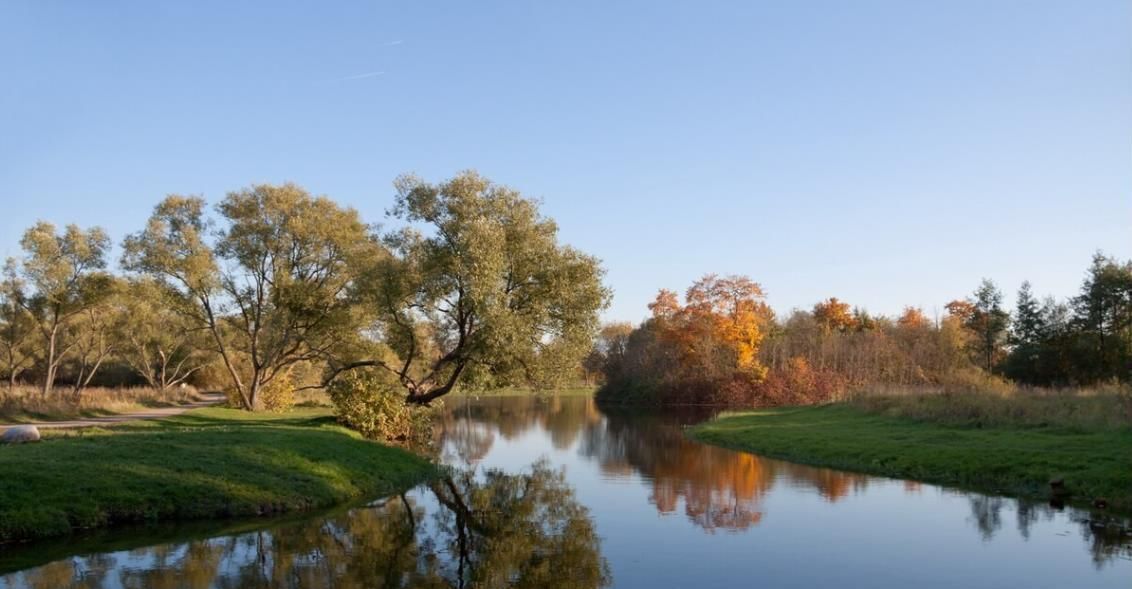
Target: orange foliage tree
<point>835,315</point>
<point>719,328</point>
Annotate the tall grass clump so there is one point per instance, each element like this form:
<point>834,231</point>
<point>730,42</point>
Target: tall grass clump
<point>1102,407</point>
<point>26,403</point>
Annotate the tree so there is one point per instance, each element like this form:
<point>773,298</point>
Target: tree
<point>66,277</point>
<point>1028,335</point>
<point>983,316</point>
<point>95,335</point>
<point>913,318</point>
<point>1103,313</point>
<point>834,315</point>
<point>609,349</point>
<point>17,326</point>
<point>488,296</point>
<point>159,339</point>
<point>274,290</point>
<point>704,351</point>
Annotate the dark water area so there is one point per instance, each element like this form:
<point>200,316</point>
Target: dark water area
<point>561,493</point>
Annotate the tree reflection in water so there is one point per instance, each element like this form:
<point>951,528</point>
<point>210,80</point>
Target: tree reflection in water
<point>492,530</point>
<point>488,528</point>
<point>720,489</point>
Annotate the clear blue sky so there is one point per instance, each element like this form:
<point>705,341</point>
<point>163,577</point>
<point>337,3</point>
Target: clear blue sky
<point>887,153</point>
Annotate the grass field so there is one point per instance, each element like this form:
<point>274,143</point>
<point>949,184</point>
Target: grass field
<point>205,463</point>
<point>1019,461</point>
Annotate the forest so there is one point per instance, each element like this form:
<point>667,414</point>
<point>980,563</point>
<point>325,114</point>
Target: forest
<point>723,344</point>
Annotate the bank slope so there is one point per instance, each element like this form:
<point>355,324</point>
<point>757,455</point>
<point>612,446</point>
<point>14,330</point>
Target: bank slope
<point>1013,461</point>
<point>206,463</point>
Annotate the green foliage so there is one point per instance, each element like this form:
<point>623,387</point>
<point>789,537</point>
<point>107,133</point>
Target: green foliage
<point>274,289</point>
<point>1003,459</point>
<point>206,463</point>
<point>279,394</point>
<point>157,338</point>
<point>989,321</point>
<point>1085,342</point>
<point>64,273</point>
<point>487,296</point>
<point>17,325</point>
<point>373,403</point>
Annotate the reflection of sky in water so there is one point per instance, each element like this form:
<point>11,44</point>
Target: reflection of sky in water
<point>813,526</point>
<point>674,513</point>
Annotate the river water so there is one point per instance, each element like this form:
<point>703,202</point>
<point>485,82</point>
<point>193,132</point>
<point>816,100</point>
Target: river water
<point>560,493</point>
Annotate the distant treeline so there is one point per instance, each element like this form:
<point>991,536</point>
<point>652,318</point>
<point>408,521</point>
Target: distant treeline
<point>724,345</point>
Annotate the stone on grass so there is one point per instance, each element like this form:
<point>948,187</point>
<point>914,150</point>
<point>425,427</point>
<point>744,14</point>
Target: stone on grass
<point>20,434</point>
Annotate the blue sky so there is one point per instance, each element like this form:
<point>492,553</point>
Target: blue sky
<point>887,153</point>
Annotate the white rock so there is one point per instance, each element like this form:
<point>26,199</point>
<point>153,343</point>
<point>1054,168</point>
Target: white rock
<point>19,434</point>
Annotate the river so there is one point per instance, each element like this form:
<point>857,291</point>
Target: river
<point>557,492</point>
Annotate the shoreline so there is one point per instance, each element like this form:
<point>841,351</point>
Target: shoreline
<point>204,464</point>
<point>1022,462</point>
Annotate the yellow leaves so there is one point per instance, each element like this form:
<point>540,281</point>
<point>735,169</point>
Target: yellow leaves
<point>913,318</point>
<point>834,315</point>
<point>722,322</point>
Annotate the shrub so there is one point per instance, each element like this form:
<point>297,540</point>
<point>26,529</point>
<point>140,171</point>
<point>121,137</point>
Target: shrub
<point>279,394</point>
<point>374,405</point>
<point>799,383</point>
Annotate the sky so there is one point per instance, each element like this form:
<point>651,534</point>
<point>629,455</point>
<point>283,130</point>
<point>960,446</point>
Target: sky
<point>889,153</point>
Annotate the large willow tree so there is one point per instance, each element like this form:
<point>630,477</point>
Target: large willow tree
<point>270,283</point>
<point>478,289</point>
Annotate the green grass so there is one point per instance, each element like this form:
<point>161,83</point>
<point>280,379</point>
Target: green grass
<point>206,463</point>
<point>1016,461</point>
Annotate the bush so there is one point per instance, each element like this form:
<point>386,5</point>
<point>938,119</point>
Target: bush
<point>374,405</point>
<point>279,394</point>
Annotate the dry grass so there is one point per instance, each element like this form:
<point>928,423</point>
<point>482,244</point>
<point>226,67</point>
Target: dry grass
<point>27,403</point>
<point>1005,405</point>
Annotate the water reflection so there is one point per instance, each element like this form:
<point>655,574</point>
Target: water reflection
<point>718,489</point>
<point>471,529</point>
<point>544,491</point>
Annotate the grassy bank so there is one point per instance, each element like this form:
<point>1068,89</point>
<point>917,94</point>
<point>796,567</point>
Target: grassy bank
<point>205,463</point>
<point>1016,460</point>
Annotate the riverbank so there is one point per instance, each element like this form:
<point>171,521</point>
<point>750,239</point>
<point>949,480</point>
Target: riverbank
<point>1020,461</point>
<point>206,463</point>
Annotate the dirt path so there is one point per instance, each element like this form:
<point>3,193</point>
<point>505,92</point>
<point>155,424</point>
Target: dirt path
<point>209,399</point>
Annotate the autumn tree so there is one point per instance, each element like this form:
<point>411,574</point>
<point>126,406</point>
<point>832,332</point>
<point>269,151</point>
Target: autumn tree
<point>705,350</point>
<point>64,272</point>
<point>478,290</point>
<point>270,283</point>
<point>913,318</point>
<point>834,315</point>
